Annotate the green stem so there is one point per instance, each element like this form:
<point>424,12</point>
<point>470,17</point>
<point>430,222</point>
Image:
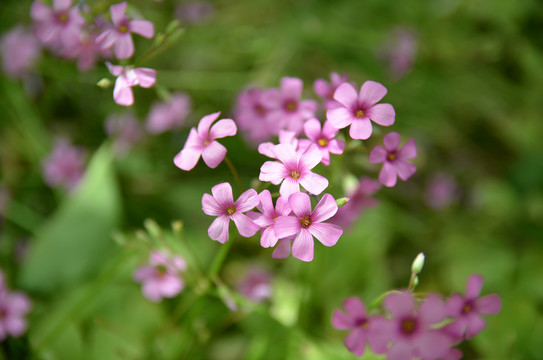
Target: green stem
<point>219,260</point>
<point>234,173</point>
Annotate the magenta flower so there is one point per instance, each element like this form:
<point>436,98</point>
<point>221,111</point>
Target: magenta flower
<point>127,77</point>
<point>120,37</point>
<point>161,277</point>
<point>326,90</point>
<point>168,115</point>
<point>307,223</point>
<point>86,51</point>
<point>65,165</point>
<point>251,113</point>
<point>222,204</point>
<point>20,49</point>
<point>267,216</point>
<point>323,138</point>
<point>358,109</point>
<point>59,26</point>
<point>125,129</point>
<point>468,310</point>
<point>400,51</point>
<point>356,319</point>
<point>202,142</point>
<point>13,308</point>
<point>294,169</point>
<point>442,191</point>
<point>410,333</point>
<point>394,159</point>
<point>359,199</point>
<point>287,110</point>
<point>256,285</point>
<point>285,137</point>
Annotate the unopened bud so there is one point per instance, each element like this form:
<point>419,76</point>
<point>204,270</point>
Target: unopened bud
<point>342,201</point>
<point>172,26</point>
<point>418,264</point>
<point>104,83</point>
<point>415,282</point>
<point>152,228</point>
<point>159,39</point>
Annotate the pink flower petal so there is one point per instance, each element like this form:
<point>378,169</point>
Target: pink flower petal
<point>321,88</point>
<point>476,324</point>
<point>283,249</point>
<point>381,332</point>
<point>310,158</point>
<point>142,27</point>
<point>356,341</point>
<point>382,114</point>
<point>371,92</point>
<point>286,153</point>
<point>312,129</point>
<point>19,303</point>
<point>289,187</point>
<point>325,209</point>
<point>124,46</point>
<point>328,130</point>
<point>303,245</point>
<point>282,206</point>
<point>378,154</point>
<point>266,203</point>
<point>454,305</point>
<point>432,310</point>
<point>300,204</point>
<point>210,206</point>
<point>314,183</point>
<point>223,194</point>
<point>122,92</point>
<point>308,108</point>
<point>266,149</point>
<point>489,304</point>
<point>268,239</point>
<point>117,13</point>
<point>327,234</point>
<point>473,289</point>
<point>286,226</point>
<point>400,305</point>
<point>115,70</point>
<point>247,201</point>
<point>387,175</point>
<point>346,95</point>
<point>245,226</point>
<point>14,325</point>
<point>61,5</point>
<point>336,146</point>
<point>355,308</point>
<point>340,117</point>
<point>400,350</point>
<point>291,87</point>
<point>205,124</point>
<point>223,128</point>
<point>218,230</point>
<point>342,321</point>
<point>456,329</point>
<point>146,77</point>
<point>433,344</point>
<point>392,141</point>
<point>272,171</point>
<point>40,12</point>
<point>151,291</point>
<point>213,154</point>
<point>405,169</point>
<point>187,159</point>
<point>408,151</point>
<point>360,129</point>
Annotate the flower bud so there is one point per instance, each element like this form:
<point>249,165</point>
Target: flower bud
<point>418,264</point>
<point>104,83</point>
<point>342,201</point>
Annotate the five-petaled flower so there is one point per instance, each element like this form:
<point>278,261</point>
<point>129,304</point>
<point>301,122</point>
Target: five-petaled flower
<point>394,159</point>
<point>267,216</point>
<point>323,138</point>
<point>127,77</point>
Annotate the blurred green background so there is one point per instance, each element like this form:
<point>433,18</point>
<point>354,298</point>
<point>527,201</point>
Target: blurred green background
<point>473,101</point>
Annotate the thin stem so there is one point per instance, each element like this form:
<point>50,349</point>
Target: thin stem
<point>234,173</point>
<point>219,260</point>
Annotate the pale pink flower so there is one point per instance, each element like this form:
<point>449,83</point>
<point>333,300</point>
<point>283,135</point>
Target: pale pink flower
<point>20,49</point>
<point>441,192</point>
<point>251,113</point>
<point>256,285</point>
<point>14,306</point>
<point>127,77</point>
<point>359,199</point>
<point>168,115</point>
<point>125,129</point>
<point>468,310</point>
<point>86,50</point>
<point>161,277</point>
<point>394,159</point>
<point>294,169</point>
<point>65,165</point>
<point>267,216</point>
<point>326,90</point>
<point>59,26</point>
<point>323,138</point>
<point>120,36</point>
<point>285,137</point>
<point>308,223</point>
<point>410,333</point>
<point>356,319</point>
<point>358,109</point>
<point>202,142</point>
<point>400,51</point>
<point>286,108</point>
<point>282,250</point>
<point>195,12</point>
<point>222,205</point>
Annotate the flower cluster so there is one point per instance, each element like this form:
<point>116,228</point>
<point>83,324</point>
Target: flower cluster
<point>413,329</point>
<point>14,306</point>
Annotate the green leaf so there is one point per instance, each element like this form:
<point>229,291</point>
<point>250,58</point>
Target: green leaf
<point>76,240</point>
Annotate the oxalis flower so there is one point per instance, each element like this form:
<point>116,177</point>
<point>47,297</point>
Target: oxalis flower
<point>202,142</point>
<point>267,216</point>
<point>323,138</point>
<point>294,169</point>
<point>358,109</point>
<point>128,77</point>
<point>307,223</point>
<point>222,204</point>
<point>394,159</point>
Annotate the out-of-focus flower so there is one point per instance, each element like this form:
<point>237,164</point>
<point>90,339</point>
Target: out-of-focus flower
<point>400,51</point>
<point>195,12</point>
<point>285,137</point>
<point>14,306</point>
<point>358,109</point>
<point>356,319</point>
<point>307,223</point>
<point>294,169</point>
<point>202,142</point>
<point>468,310</point>
<point>168,115</point>
<point>59,26</point>
<point>20,49</point>
<point>125,129</point>
<point>326,90</point>
<point>251,113</point>
<point>267,216</point>
<point>409,334</point>
<point>161,277</point>
<point>256,285</point>
<point>393,159</point>
<point>65,165</point>
<point>441,191</point>
<point>127,77</point>
<point>222,205</point>
<point>120,36</point>
<point>286,109</point>
<point>359,199</point>
<point>86,50</point>
<point>323,138</point>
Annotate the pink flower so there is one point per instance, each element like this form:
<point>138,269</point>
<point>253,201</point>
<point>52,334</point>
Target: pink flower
<point>168,115</point>
<point>394,159</point>
<point>400,51</point>
<point>409,334</point>
<point>64,167</point>
<point>326,90</point>
<point>294,169</point>
<point>59,26</point>
<point>359,199</point>
<point>285,137</point>
<point>86,51</point>
<point>125,129</point>
<point>222,204</point>
<point>356,319</point>
<point>287,110</point>
<point>468,310</point>
<point>202,142</point>
<point>251,113</point>
<point>358,109</point>
<point>161,277</point>
<point>441,192</point>
<point>307,223</point>
<point>267,216</point>
<point>20,49</point>
<point>282,250</point>
<point>120,36</point>
<point>128,77</point>
<point>256,285</point>
<point>195,11</point>
<point>324,139</point>
<point>13,308</point>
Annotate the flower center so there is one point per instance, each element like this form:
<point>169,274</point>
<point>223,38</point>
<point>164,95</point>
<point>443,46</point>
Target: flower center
<point>230,210</point>
<point>260,110</point>
<point>291,106</point>
<point>295,174</point>
<point>391,156</point>
<point>359,114</point>
<point>123,28</point>
<point>161,271</point>
<point>305,221</point>
<point>62,17</point>
<point>3,313</point>
<point>323,142</point>
<point>363,323</point>
<point>408,326</point>
<point>466,308</point>
<point>207,142</point>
